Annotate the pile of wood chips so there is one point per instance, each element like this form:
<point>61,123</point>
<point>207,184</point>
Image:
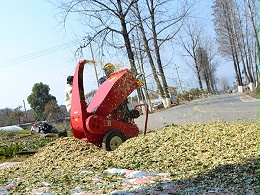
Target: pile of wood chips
<point>219,155</point>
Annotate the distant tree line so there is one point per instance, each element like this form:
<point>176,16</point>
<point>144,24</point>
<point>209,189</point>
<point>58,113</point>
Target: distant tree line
<point>237,28</point>
<point>44,107</point>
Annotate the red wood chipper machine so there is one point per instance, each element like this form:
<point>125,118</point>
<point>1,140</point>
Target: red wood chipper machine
<point>101,122</point>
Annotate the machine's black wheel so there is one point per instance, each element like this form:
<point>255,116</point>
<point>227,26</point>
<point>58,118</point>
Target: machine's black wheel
<point>112,140</point>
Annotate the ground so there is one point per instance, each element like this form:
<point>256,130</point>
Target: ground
<point>255,93</point>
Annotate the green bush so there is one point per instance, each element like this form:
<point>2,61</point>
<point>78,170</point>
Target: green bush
<point>183,96</point>
<point>9,148</point>
<point>15,141</point>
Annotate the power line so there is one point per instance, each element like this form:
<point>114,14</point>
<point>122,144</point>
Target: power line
<point>37,54</point>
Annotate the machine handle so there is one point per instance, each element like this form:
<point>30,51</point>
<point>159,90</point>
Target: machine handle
<point>146,115</point>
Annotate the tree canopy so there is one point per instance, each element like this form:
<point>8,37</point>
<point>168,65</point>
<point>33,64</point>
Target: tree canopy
<point>39,98</point>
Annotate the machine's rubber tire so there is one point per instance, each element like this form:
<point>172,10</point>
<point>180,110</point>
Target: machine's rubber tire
<point>112,140</point>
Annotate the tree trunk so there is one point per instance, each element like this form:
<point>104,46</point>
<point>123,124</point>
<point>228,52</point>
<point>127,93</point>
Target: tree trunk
<point>148,52</point>
<point>157,53</point>
<point>130,53</point>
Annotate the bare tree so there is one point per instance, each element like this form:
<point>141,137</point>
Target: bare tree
<point>106,20</point>
<point>4,114</point>
<point>252,21</point>
<point>190,39</point>
<point>15,116</point>
<point>208,45</point>
<point>148,51</point>
<point>159,22</point>
<point>52,110</point>
<point>207,68</point>
<point>159,26</point>
<point>224,23</point>
<point>224,86</point>
<point>241,39</point>
<point>233,29</point>
<point>253,14</point>
<point>139,54</point>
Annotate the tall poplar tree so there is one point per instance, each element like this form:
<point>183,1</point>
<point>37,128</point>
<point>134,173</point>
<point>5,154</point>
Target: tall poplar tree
<point>224,23</point>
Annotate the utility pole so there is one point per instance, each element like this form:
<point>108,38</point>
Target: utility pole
<point>178,77</point>
<point>25,111</point>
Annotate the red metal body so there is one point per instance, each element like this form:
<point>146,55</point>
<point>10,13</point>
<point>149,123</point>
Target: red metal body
<point>91,122</point>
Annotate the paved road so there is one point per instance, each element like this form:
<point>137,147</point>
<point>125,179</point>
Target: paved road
<point>229,108</point>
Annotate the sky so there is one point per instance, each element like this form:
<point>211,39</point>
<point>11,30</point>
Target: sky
<point>36,48</point>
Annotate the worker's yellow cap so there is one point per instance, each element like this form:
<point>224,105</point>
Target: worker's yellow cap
<point>109,66</point>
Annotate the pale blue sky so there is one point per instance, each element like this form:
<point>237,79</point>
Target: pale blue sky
<point>34,48</point>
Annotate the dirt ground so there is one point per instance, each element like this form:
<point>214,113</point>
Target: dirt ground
<point>255,93</point>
